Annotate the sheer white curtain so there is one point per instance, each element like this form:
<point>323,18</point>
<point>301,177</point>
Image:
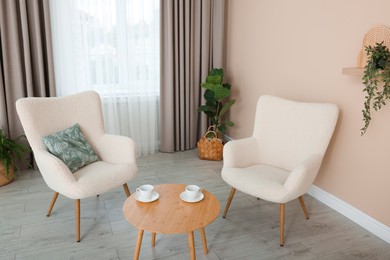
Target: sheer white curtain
<point>112,46</point>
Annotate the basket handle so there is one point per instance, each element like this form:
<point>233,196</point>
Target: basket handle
<point>210,131</point>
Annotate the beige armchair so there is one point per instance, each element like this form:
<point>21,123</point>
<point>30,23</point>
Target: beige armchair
<point>45,116</point>
<point>281,159</point>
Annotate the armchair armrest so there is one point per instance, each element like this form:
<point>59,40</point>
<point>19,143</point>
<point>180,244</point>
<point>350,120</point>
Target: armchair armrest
<point>116,149</point>
<point>240,153</point>
<point>54,171</point>
<point>303,175</point>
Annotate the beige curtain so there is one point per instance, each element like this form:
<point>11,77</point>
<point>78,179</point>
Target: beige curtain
<point>26,57</point>
<point>26,60</point>
<point>192,43</point>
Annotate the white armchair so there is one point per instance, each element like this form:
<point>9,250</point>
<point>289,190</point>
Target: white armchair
<point>281,159</point>
<point>45,116</point>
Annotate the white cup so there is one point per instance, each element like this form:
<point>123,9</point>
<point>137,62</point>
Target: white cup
<point>193,191</point>
<point>145,191</point>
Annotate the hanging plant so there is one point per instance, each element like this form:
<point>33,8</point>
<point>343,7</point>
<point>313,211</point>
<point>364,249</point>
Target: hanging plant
<point>376,80</point>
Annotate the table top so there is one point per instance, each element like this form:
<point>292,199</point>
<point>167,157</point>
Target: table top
<point>169,214</point>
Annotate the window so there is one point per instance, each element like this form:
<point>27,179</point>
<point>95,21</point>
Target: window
<point>112,47</point>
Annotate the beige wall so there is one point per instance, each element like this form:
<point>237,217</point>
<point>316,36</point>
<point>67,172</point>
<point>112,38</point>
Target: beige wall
<point>296,49</point>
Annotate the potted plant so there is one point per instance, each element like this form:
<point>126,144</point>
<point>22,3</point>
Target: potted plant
<point>217,102</point>
<point>10,149</point>
<point>376,80</point>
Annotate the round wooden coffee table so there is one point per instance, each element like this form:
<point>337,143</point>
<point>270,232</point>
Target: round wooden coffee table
<point>170,215</point>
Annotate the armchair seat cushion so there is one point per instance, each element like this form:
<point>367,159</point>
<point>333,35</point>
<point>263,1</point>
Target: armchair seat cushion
<point>100,177</point>
<point>262,181</point>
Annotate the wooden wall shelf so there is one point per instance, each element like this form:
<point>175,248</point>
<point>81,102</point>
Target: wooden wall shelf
<point>355,71</point>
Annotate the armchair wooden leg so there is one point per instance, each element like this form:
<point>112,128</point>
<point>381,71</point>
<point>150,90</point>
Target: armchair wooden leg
<point>77,206</point>
<point>153,239</point>
<point>282,205</point>
<point>303,207</point>
<point>53,201</point>
<point>126,188</point>
<point>233,190</point>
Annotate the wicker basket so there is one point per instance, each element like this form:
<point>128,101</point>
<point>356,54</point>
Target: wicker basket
<point>4,180</point>
<point>210,149</point>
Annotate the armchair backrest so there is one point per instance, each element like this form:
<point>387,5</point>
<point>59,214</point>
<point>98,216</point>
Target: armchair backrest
<point>288,132</point>
<point>44,116</point>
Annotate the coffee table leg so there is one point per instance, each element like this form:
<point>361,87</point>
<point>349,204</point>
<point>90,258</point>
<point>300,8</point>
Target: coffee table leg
<point>139,242</point>
<point>153,239</point>
<point>203,233</point>
<point>191,244</point>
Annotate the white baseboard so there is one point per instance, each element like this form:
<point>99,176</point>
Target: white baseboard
<point>380,230</point>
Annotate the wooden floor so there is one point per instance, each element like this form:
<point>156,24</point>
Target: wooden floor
<point>250,231</point>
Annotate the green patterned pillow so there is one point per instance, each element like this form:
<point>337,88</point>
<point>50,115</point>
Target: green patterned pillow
<point>71,147</point>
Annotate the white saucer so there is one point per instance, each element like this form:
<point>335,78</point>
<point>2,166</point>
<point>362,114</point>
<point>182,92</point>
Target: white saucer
<point>154,197</point>
<point>185,198</point>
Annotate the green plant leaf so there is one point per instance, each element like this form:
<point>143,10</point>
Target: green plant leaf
<point>205,108</point>
<point>222,128</point>
<point>215,80</point>
<point>226,107</point>
<point>229,123</point>
<point>209,114</point>
<point>209,96</point>
<point>211,105</point>
<point>214,72</point>
<point>221,92</point>
<point>226,85</point>
<point>207,85</point>
<point>214,121</point>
